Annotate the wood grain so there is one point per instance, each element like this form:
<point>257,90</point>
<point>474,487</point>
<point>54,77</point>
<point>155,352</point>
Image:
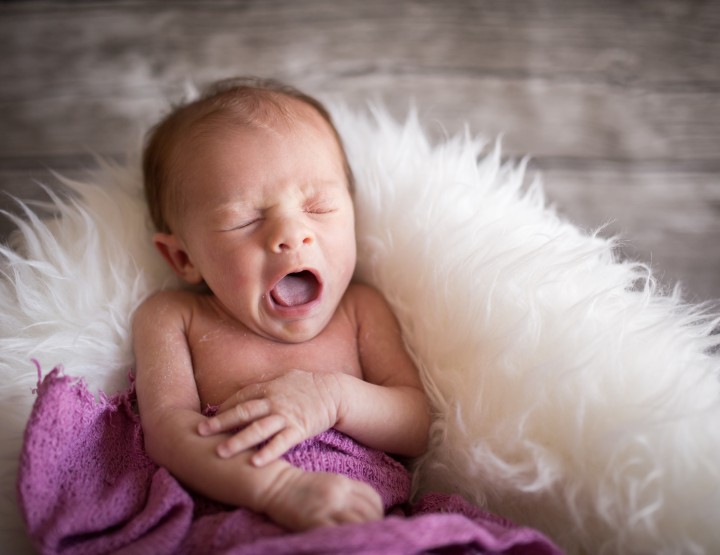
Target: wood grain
<point>617,102</point>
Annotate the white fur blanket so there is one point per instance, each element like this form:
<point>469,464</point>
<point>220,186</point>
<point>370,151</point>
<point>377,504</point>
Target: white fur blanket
<point>570,394</point>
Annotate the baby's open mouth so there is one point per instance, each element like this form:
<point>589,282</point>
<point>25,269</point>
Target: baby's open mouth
<point>296,289</point>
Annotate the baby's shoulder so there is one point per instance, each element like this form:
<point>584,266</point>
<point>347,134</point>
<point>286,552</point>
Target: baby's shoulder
<point>166,305</point>
<point>361,291</point>
<point>364,299</point>
<point>170,297</point>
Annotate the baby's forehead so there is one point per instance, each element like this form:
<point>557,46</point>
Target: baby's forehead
<point>266,109</point>
<point>288,117</point>
<point>293,119</point>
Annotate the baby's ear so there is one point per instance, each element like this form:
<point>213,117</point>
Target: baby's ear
<point>173,251</point>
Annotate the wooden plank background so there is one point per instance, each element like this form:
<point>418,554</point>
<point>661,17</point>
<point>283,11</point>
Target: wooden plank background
<point>618,102</point>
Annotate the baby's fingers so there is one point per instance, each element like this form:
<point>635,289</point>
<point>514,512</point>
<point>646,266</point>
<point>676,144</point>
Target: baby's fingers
<point>235,417</point>
<point>364,505</point>
<point>254,434</point>
<point>365,513</point>
<point>370,504</point>
<point>249,393</point>
<point>278,446</point>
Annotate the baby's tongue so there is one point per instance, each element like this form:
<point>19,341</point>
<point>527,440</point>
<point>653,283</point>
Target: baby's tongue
<point>295,289</point>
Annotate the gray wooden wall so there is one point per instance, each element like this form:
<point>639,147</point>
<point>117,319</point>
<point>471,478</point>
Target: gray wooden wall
<point>618,101</point>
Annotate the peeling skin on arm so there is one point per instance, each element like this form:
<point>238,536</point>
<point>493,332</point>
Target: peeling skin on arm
<point>170,407</point>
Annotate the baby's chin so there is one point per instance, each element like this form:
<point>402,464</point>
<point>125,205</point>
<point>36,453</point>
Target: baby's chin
<point>292,333</point>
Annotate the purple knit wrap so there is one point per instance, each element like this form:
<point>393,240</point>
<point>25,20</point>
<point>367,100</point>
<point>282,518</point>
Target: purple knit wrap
<point>87,486</point>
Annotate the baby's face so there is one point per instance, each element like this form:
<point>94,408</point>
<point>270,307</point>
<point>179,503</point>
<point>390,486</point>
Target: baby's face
<point>268,223</point>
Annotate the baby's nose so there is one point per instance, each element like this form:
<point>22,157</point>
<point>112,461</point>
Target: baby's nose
<point>289,234</point>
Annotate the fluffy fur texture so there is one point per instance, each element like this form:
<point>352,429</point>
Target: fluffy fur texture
<point>570,394</point>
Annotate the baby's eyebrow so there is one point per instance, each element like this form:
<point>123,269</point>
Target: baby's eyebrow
<point>234,205</point>
<point>231,210</point>
<point>322,187</point>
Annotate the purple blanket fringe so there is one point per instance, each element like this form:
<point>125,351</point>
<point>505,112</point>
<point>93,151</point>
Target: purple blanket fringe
<point>86,486</point>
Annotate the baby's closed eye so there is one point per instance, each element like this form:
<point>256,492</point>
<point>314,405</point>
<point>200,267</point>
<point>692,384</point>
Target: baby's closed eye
<point>242,224</point>
<point>320,206</point>
<point>320,210</point>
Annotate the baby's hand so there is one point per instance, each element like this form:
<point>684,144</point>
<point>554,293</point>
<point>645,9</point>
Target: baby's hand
<point>302,500</point>
<point>289,409</point>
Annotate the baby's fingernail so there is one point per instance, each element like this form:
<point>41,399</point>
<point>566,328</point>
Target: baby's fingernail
<point>258,460</point>
<point>224,451</point>
<point>208,427</point>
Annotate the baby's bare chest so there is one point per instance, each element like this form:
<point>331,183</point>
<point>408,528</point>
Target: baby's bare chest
<point>226,358</point>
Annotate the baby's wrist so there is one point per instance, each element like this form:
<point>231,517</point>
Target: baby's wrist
<point>269,496</point>
<point>336,385</point>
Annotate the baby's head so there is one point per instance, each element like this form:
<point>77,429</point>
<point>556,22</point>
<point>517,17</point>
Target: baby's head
<point>242,101</point>
<point>250,190</point>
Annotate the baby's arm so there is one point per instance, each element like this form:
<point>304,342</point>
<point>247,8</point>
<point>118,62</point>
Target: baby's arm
<point>387,410</point>
<point>169,407</point>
